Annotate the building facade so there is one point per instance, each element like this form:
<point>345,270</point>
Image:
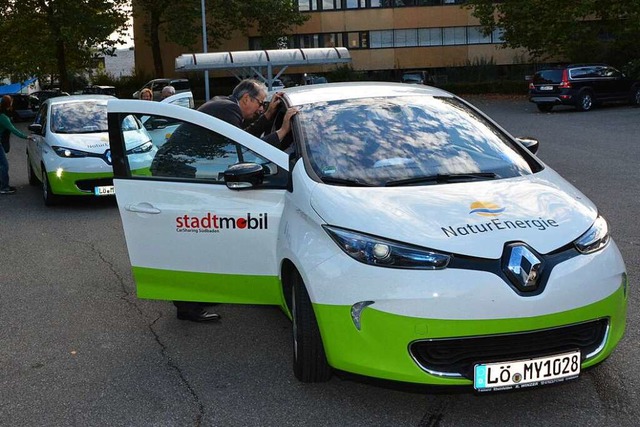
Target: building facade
<point>380,34</point>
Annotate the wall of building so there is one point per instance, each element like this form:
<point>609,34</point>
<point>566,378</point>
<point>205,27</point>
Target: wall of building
<point>371,23</point>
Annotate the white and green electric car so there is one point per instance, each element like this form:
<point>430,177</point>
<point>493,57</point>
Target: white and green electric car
<point>68,149</point>
<point>407,235</point>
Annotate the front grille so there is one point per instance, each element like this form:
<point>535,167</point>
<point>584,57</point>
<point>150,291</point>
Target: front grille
<point>457,357</point>
<point>90,184</point>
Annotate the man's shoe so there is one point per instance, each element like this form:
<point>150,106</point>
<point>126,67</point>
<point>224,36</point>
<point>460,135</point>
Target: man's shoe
<point>198,316</point>
<point>10,190</point>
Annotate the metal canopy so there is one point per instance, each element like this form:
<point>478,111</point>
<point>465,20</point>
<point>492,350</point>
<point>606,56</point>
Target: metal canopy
<point>252,62</point>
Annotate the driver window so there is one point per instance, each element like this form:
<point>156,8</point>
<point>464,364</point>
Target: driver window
<point>183,151</point>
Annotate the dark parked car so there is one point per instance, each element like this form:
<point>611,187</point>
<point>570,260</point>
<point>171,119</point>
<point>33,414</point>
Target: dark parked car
<point>43,95</point>
<point>99,90</point>
<point>24,107</point>
<point>418,77</point>
<point>583,86</point>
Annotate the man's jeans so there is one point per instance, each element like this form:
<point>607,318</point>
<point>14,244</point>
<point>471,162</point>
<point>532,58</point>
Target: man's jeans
<point>4,170</point>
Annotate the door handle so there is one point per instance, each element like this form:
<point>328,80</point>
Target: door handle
<point>143,208</point>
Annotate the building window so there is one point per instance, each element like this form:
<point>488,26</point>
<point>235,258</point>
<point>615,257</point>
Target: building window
<point>475,35</point>
<point>381,39</point>
<point>331,4</point>
<point>430,37</point>
<point>454,36</point>
<point>304,5</point>
<point>405,38</point>
<point>498,35</point>
<point>357,40</point>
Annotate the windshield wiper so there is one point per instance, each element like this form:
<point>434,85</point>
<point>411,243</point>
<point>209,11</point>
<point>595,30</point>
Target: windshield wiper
<point>345,182</point>
<point>443,178</point>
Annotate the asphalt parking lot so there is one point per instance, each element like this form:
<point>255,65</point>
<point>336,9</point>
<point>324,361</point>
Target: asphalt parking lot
<point>78,347</point>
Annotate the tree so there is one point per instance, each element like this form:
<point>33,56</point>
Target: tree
<point>181,23</point>
<point>580,30</point>
<point>44,37</point>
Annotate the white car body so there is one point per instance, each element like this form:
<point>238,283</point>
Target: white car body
<point>509,261</point>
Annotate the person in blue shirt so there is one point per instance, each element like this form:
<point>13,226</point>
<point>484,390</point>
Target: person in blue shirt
<point>6,129</point>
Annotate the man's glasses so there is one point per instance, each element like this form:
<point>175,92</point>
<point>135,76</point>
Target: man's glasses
<point>263,104</point>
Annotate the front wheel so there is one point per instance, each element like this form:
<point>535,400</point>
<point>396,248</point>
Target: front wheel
<point>33,179</point>
<point>309,359</point>
<point>49,198</point>
<point>585,101</point>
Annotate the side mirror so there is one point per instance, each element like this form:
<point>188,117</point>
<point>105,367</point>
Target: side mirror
<point>530,144</point>
<point>243,176</point>
<point>156,123</point>
<point>35,128</point>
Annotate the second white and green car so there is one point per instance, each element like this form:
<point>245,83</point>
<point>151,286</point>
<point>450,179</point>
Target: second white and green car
<point>68,150</point>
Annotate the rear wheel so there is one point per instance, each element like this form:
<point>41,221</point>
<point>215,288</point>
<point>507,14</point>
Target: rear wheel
<point>49,198</point>
<point>309,359</point>
<point>585,101</point>
<point>33,179</point>
<point>544,108</point>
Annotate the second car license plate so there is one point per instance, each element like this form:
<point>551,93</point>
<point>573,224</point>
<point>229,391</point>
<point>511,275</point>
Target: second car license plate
<point>106,190</point>
<point>546,87</point>
<point>527,373</point>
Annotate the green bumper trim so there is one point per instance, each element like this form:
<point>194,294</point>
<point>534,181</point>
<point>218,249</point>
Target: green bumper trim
<point>65,185</point>
<point>207,287</point>
<point>381,348</point>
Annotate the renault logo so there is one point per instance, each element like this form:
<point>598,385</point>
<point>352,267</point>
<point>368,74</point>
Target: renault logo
<point>522,267</point>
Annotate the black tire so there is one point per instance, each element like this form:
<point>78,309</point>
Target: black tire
<point>585,101</point>
<point>634,98</point>
<point>33,179</point>
<point>49,198</point>
<point>309,359</point>
<point>544,108</point>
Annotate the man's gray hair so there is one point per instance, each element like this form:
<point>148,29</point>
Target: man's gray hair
<point>168,91</point>
<point>254,88</point>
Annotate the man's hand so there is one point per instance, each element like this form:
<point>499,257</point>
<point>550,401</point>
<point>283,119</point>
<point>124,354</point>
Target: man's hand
<point>273,106</point>
<point>286,123</point>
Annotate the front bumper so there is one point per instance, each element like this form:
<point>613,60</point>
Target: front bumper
<point>381,348</point>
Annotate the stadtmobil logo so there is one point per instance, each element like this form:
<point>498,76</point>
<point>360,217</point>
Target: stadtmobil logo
<point>491,210</point>
<point>212,223</point>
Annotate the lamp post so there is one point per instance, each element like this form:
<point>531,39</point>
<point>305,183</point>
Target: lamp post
<point>204,49</point>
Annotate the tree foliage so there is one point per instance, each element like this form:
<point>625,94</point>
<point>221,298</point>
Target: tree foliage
<point>57,37</point>
<point>181,22</point>
<point>580,30</point>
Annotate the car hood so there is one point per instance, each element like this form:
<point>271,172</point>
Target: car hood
<point>97,142</point>
<point>91,142</point>
<point>474,219</point>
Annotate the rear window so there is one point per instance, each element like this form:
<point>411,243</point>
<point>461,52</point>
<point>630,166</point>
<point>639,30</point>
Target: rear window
<point>181,85</point>
<point>548,76</point>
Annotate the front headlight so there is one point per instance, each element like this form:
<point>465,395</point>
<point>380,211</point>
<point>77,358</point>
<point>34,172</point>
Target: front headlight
<point>385,253</point>
<point>69,152</point>
<point>144,148</point>
<point>595,238</point>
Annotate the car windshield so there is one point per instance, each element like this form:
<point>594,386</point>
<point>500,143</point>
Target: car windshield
<point>79,117</point>
<point>409,140</point>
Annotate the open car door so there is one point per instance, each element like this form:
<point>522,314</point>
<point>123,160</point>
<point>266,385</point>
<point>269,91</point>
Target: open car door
<point>189,236</point>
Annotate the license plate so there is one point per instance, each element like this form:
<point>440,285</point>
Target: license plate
<point>526,373</point>
<point>106,190</point>
<point>546,87</point>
